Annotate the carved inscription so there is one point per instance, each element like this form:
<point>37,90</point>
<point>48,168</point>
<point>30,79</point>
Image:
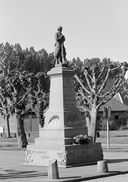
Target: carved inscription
<point>28,157</point>
<point>61,158</point>
<point>44,155</point>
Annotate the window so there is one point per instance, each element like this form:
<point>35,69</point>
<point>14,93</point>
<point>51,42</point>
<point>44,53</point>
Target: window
<point>116,117</point>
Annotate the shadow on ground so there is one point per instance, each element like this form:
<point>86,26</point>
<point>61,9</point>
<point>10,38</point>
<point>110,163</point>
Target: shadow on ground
<point>116,160</point>
<point>9,174</point>
<point>13,174</point>
<point>99,176</point>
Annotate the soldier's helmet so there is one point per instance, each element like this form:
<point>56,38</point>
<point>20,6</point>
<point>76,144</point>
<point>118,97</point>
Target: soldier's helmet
<point>59,28</point>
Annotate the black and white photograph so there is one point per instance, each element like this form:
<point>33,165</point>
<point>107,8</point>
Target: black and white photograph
<point>63,90</point>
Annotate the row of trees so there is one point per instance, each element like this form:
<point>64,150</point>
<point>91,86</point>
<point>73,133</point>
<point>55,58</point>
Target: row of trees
<point>13,56</point>
<point>25,84</point>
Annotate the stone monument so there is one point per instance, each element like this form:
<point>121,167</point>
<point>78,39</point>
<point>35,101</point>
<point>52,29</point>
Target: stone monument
<point>63,121</point>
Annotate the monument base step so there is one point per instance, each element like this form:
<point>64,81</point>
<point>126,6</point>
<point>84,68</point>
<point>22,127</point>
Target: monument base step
<point>67,156</point>
<point>53,141</point>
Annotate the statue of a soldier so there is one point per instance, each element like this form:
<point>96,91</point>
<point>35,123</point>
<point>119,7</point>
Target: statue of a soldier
<point>60,52</point>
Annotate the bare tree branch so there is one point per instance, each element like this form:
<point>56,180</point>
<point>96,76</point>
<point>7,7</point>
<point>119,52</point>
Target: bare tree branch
<point>84,108</point>
<point>90,77</point>
<point>101,73</point>
<point>106,78</point>
<point>84,97</point>
<point>112,69</point>
<point>24,96</point>
<point>113,87</point>
<point>109,97</point>
<point>94,81</point>
<point>1,109</point>
<point>104,82</point>
<point>81,84</point>
<point>125,90</point>
<point>113,91</point>
<point>88,82</point>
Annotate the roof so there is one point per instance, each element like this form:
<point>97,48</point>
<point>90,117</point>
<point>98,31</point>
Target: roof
<point>115,105</point>
<point>119,98</point>
<point>124,98</point>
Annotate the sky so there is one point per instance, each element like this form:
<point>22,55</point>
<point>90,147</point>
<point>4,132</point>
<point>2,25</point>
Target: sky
<point>92,28</point>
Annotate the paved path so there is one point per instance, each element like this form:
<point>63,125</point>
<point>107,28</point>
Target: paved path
<point>13,170</point>
<point>118,178</point>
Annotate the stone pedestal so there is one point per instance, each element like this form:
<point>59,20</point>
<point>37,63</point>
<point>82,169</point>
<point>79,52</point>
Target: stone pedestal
<point>53,172</point>
<point>102,166</point>
<point>63,121</point>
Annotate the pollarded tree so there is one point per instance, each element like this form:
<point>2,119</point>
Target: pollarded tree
<point>18,87</point>
<point>98,83</point>
<point>39,95</point>
<point>24,88</point>
<point>5,107</point>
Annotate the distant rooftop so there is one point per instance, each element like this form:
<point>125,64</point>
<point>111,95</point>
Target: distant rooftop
<point>116,104</point>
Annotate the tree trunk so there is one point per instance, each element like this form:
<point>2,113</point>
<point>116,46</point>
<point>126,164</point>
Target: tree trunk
<point>8,127</point>
<point>21,135</point>
<point>40,113</point>
<point>93,114</point>
<point>88,124</point>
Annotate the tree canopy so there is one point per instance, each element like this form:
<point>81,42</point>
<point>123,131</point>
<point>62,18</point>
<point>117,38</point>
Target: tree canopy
<point>14,57</point>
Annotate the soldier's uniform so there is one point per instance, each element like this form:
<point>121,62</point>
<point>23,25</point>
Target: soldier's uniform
<point>60,52</point>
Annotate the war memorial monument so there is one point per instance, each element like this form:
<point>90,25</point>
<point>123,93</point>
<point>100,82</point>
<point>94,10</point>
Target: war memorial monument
<point>63,121</point>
